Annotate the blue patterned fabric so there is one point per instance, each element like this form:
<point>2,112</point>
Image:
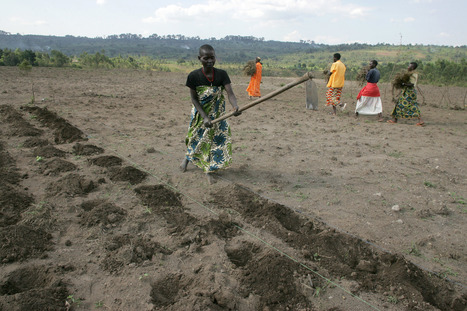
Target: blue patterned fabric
<point>209,148</point>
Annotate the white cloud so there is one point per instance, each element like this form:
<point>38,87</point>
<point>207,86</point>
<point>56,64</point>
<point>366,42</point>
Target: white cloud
<point>359,12</point>
<point>444,34</point>
<point>328,39</point>
<point>293,36</point>
<point>24,22</point>
<point>409,19</point>
<point>101,2</point>
<point>257,10</point>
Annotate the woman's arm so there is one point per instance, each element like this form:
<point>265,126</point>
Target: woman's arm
<point>232,98</point>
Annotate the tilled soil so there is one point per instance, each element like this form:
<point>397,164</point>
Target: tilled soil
<point>317,212</point>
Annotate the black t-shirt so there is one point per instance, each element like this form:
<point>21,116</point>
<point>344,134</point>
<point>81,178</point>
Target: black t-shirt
<point>197,78</point>
<point>373,75</point>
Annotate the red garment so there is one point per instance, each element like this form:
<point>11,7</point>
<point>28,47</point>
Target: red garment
<point>369,90</point>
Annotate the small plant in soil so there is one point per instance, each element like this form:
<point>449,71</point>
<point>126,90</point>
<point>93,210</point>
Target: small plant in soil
<point>393,299</point>
<point>396,154</point>
<point>448,272</point>
<point>457,198</point>
<point>37,208</point>
<point>71,301</point>
<point>317,291</point>
<point>39,159</point>
<point>429,184</point>
<point>145,275</point>
<point>414,250</point>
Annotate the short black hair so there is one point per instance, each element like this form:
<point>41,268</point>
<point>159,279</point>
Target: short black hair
<point>205,47</point>
<point>374,61</point>
<point>414,64</point>
<point>337,56</point>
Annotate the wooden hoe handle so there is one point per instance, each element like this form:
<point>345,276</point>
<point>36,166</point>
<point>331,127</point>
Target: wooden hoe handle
<point>302,79</point>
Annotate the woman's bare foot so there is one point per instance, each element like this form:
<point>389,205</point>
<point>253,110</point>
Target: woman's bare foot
<point>211,179</point>
<point>183,165</point>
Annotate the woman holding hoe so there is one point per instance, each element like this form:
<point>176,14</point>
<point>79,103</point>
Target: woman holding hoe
<point>209,146</point>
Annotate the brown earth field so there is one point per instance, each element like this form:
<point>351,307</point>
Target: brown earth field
<point>316,212</point>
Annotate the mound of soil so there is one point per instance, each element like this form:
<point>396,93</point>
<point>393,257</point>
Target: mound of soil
<point>49,151</point>
<point>158,196</point>
<point>123,250</point>
<point>21,242</point>
<point>56,166</point>
<point>101,213</point>
<point>86,150</point>
<point>8,170</point>
<point>106,161</point>
<point>32,287</point>
<point>12,203</point>
<point>64,132</point>
<point>128,173</point>
<point>71,185</point>
<point>35,142</point>
<point>19,126</point>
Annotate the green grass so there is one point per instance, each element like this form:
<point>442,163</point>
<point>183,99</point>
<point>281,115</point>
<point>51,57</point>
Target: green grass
<point>414,250</point>
<point>396,154</point>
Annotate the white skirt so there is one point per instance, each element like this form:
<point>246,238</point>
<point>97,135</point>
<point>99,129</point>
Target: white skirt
<point>369,106</point>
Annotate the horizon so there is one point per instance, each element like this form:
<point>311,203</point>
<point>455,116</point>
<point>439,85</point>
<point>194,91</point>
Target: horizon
<point>331,22</point>
<point>108,37</point>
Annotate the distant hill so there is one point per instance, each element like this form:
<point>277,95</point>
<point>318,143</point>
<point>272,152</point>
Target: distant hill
<point>230,49</point>
<point>278,56</point>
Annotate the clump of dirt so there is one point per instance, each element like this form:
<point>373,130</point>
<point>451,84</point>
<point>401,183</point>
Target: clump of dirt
<point>56,166</point>
<point>19,126</point>
<point>32,287</point>
<point>158,196</point>
<point>98,212</point>
<point>241,253</point>
<point>12,203</point>
<point>106,161</point>
<point>40,216</point>
<point>35,142</point>
<point>20,242</point>
<point>124,249</point>
<point>64,132</point>
<point>223,227</point>
<point>128,173</point>
<point>12,200</point>
<point>165,291</point>
<point>8,170</point>
<point>71,185</point>
<point>86,150</point>
<point>49,152</point>
<point>272,278</point>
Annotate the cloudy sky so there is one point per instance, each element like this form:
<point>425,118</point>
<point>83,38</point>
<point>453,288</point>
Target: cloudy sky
<point>324,21</point>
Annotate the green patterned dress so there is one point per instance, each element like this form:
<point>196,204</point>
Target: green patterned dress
<point>209,148</point>
<point>407,105</point>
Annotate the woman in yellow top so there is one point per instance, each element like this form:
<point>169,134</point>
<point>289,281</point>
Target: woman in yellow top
<point>335,84</point>
<point>407,104</point>
<point>255,81</point>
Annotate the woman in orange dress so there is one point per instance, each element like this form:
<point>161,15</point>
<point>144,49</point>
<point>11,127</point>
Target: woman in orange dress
<point>255,81</point>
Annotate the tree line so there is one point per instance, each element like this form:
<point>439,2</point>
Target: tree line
<point>437,64</point>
